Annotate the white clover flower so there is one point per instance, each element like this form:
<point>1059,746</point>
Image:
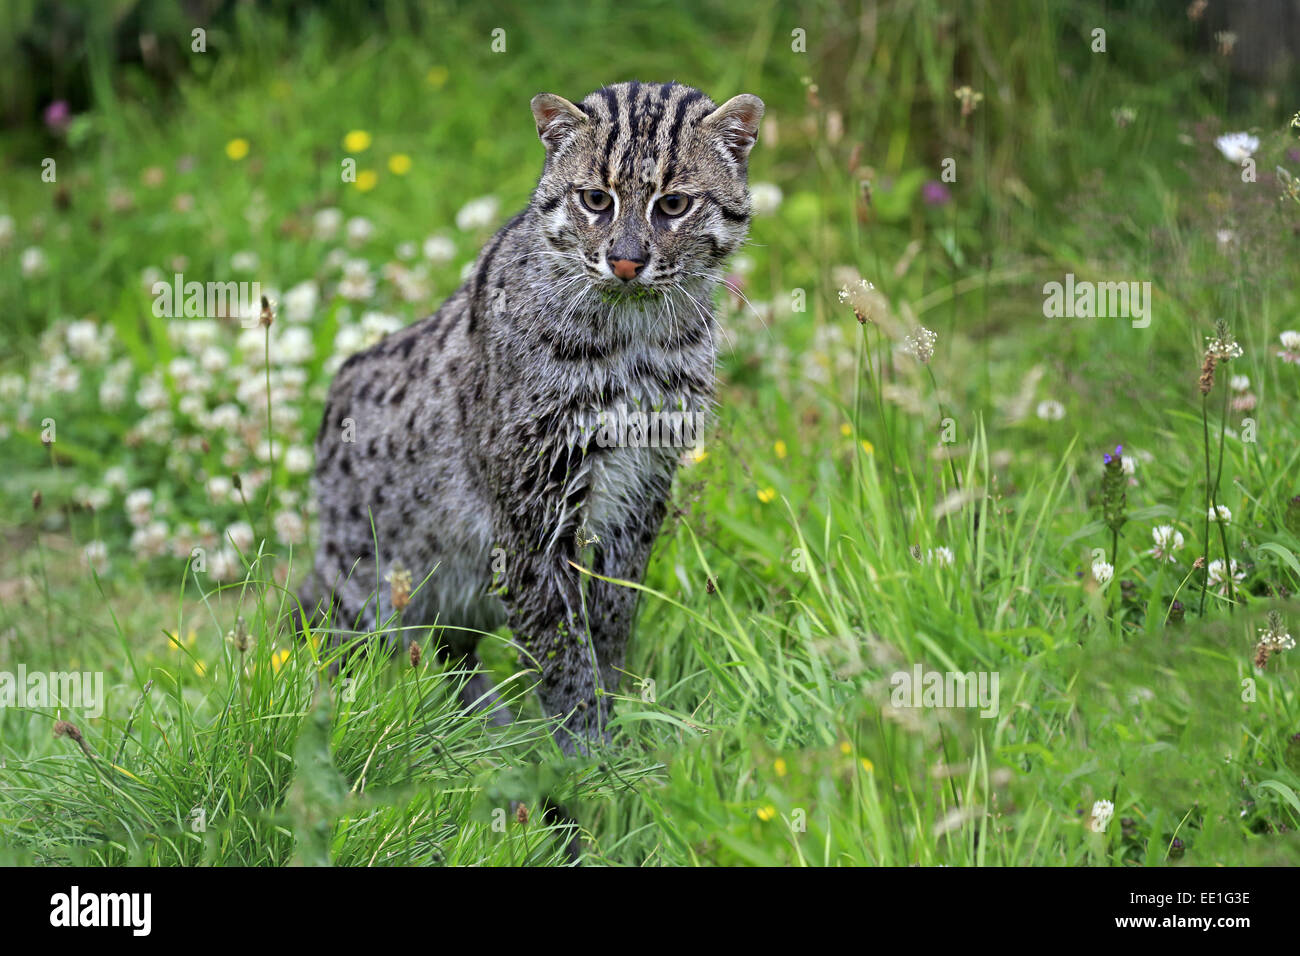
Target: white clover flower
<point>439,249</point>
<point>244,261</point>
<point>359,230</point>
<point>297,460</point>
<point>96,499</point>
<point>220,490</point>
<point>1239,383</point>
<point>1220,513</point>
<point>251,345</point>
<point>265,448</point>
<point>12,387</point>
<point>152,393</point>
<point>86,341</point>
<point>225,417</point>
<point>1237,147</point>
<point>349,339</point>
<point>139,506</point>
<point>6,231</point>
<point>194,334</point>
<point>289,527</point>
<point>356,283</point>
<point>1225,237</point>
<point>60,375</point>
<point>240,534</point>
<point>224,565</point>
<point>1217,575</point>
<point>477,213</point>
<point>375,325</point>
<point>300,301</point>
<point>1291,347</point>
<point>1102,571</point>
<point>1050,410</point>
<point>405,251</point>
<point>184,373</point>
<point>1167,539</point>
<point>95,555</point>
<point>192,405</point>
<point>33,262</point>
<point>213,360</point>
<point>325,224</point>
<point>1102,811</point>
<point>150,541</point>
<point>1128,464</point>
<point>115,478</point>
<point>766,198</point>
<point>293,346</point>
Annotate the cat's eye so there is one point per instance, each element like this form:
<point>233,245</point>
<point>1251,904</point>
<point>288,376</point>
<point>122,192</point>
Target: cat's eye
<point>597,200</point>
<point>673,204</point>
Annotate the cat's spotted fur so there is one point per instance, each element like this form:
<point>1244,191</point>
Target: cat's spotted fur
<point>473,444</point>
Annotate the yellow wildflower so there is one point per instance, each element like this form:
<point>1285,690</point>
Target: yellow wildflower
<point>357,141</point>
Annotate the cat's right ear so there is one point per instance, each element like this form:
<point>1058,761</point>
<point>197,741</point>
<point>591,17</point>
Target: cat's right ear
<point>557,119</point>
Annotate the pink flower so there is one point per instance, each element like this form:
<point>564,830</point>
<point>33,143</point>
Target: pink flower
<point>58,116</point>
<point>935,193</point>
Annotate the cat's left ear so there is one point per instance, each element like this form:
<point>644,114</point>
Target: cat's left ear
<point>557,119</point>
<point>736,124</point>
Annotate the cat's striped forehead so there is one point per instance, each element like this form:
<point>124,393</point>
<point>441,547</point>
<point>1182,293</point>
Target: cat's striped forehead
<point>643,130</point>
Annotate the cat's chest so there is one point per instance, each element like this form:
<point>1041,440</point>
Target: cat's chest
<point>621,484</point>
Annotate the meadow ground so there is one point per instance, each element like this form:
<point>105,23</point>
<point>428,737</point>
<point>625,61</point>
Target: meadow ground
<point>871,501</point>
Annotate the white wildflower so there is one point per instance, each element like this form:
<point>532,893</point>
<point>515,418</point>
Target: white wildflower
<point>766,198</point>
<point>33,262</point>
<point>325,224</point>
<point>1217,575</point>
<point>1168,539</point>
<point>1102,571</point>
<point>477,213</point>
<point>439,249</point>
<point>359,230</point>
<point>1102,811</point>
<point>300,302</point>
<point>1237,147</point>
<point>1050,410</point>
<point>95,555</point>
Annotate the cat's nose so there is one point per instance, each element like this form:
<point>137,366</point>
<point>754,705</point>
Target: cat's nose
<point>626,269</point>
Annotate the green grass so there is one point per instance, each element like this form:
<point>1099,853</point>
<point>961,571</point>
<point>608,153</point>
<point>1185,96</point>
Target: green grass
<point>797,571</point>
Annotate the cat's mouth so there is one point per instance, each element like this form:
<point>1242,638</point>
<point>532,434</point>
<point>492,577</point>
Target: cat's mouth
<point>627,292</point>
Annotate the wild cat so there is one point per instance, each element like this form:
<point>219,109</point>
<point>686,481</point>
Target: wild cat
<point>464,448</point>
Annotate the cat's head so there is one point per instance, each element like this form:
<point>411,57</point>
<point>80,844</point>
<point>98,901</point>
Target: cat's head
<point>644,183</point>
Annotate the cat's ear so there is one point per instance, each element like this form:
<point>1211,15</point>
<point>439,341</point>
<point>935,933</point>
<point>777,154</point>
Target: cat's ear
<point>735,123</point>
<point>557,119</point>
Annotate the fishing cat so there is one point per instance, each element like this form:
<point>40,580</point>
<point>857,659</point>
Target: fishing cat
<point>475,449</point>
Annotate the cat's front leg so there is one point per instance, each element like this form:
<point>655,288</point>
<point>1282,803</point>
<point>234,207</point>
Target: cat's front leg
<point>544,611</point>
<point>622,554</point>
